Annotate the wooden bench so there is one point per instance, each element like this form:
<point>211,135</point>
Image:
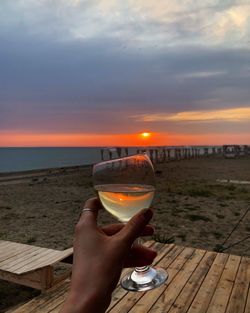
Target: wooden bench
<point>199,282</point>
<point>30,265</point>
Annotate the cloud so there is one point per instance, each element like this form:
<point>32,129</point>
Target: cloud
<point>202,74</point>
<point>140,23</point>
<point>230,115</point>
<point>86,66</point>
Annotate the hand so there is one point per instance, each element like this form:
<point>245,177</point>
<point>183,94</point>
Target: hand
<point>100,255</point>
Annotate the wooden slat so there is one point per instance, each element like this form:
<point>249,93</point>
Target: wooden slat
<point>206,291</point>
<point>119,293</point>
<point>188,293</point>
<point>3,243</point>
<point>178,261</point>
<point>238,297</point>
<point>26,259</point>
<point>199,282</point>
<point>247,307</point>
<point>37,261</point>
<point>11,243</point>
<point>52,258</point>
<point>13,250</point>
<point>221,296</point>
<point>45,259</point>
<point>129,300</point>
<point>17,257</point>
<point>20,258</point>
<point>29,279</point>
<point>44,299</point>
<point>166,300</point>
<point>52,300</point>
<point>55,305</point>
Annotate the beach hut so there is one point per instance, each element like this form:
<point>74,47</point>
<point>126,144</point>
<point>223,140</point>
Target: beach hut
<point>243,150</point>
<point>248,150</point>
<point>230,151</point>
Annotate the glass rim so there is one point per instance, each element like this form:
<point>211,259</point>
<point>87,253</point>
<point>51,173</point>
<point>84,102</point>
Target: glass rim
<point>124,158</point>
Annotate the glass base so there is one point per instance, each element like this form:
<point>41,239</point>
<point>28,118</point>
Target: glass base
<point>143,279</point>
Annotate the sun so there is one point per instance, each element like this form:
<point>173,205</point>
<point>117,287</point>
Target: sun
<point>146,135</point>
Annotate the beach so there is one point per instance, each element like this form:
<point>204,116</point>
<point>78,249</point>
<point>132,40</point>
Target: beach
<point>197,203</point>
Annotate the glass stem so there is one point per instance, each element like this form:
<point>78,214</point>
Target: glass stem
<point>140,269</point>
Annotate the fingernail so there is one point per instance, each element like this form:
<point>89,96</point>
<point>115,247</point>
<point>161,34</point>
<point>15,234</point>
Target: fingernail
<point>148,213</point>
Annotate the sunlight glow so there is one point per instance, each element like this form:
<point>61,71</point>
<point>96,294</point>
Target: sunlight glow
<point>146,135</point>
<point>83,140</point>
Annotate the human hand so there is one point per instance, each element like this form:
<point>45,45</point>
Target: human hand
<point>100,255</point>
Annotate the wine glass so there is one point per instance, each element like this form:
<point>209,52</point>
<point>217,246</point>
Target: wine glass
<point>125,186</point>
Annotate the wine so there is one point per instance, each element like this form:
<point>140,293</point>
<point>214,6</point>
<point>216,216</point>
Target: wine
<point>125,200</point>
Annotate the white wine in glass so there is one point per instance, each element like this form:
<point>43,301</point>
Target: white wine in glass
<point>125,186</point>
<point>123,201</point>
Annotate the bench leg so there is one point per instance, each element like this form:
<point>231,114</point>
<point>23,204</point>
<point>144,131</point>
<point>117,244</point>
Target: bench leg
<point>47,277</point>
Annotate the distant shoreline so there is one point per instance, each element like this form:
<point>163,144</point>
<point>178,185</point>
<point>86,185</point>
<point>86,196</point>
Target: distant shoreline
<point>19,175</point>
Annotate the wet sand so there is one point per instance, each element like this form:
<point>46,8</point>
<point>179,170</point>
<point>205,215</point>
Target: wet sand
<point>197,203</point>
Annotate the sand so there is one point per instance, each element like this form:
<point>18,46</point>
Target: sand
<point>198,202</point>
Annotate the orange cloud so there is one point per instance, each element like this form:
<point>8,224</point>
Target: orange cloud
<point>231,115</point>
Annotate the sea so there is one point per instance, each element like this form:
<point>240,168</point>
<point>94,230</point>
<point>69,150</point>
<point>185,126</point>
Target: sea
<point>25,159</point>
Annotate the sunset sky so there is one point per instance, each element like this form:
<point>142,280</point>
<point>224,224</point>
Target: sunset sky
<point>102,72</point>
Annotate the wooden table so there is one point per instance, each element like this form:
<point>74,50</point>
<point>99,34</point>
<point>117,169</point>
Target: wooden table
<point>199,281</point>
<point>30,265</point>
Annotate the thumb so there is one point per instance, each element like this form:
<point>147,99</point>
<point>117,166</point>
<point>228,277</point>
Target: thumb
<point>136,225</point>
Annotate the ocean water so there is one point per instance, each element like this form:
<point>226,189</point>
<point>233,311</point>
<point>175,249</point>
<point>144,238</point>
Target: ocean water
<point>23,159</point>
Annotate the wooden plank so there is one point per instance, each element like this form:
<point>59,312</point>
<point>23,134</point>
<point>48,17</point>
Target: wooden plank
<point>199,282</point>
<point>130,298</point>
<point>13,258</point>
<point>165,301</point>
<point>31,263</point>
<point>119,292</point>
<point>188,293</point>
<point>52,300</point>
<point>11,243</point>
<point>3,243</point>
<point>45,259</point>
<point>238,297</point>
<point>23,256</point>
<point>221,296</point>
<point>14,250</point>
<point>51,257</point>
<point>30,279</point>
<point>11,251</point>
<point>47,277</point>
<point>206,291</point>
<point>178,261</point>
<point>247,307</point>
<point>44,299</point>
<point>55,305</point>
<point>15,245</point>
<point>64,254</point>
<point>34,264</point>
<point>25,259</point>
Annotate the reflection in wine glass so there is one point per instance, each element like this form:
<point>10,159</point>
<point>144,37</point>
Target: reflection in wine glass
<point>125,186</point>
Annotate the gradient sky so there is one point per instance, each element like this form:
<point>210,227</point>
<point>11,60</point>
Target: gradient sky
<point>99,72</point>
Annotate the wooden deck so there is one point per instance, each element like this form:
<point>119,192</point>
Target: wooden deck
<point>199,282</point>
